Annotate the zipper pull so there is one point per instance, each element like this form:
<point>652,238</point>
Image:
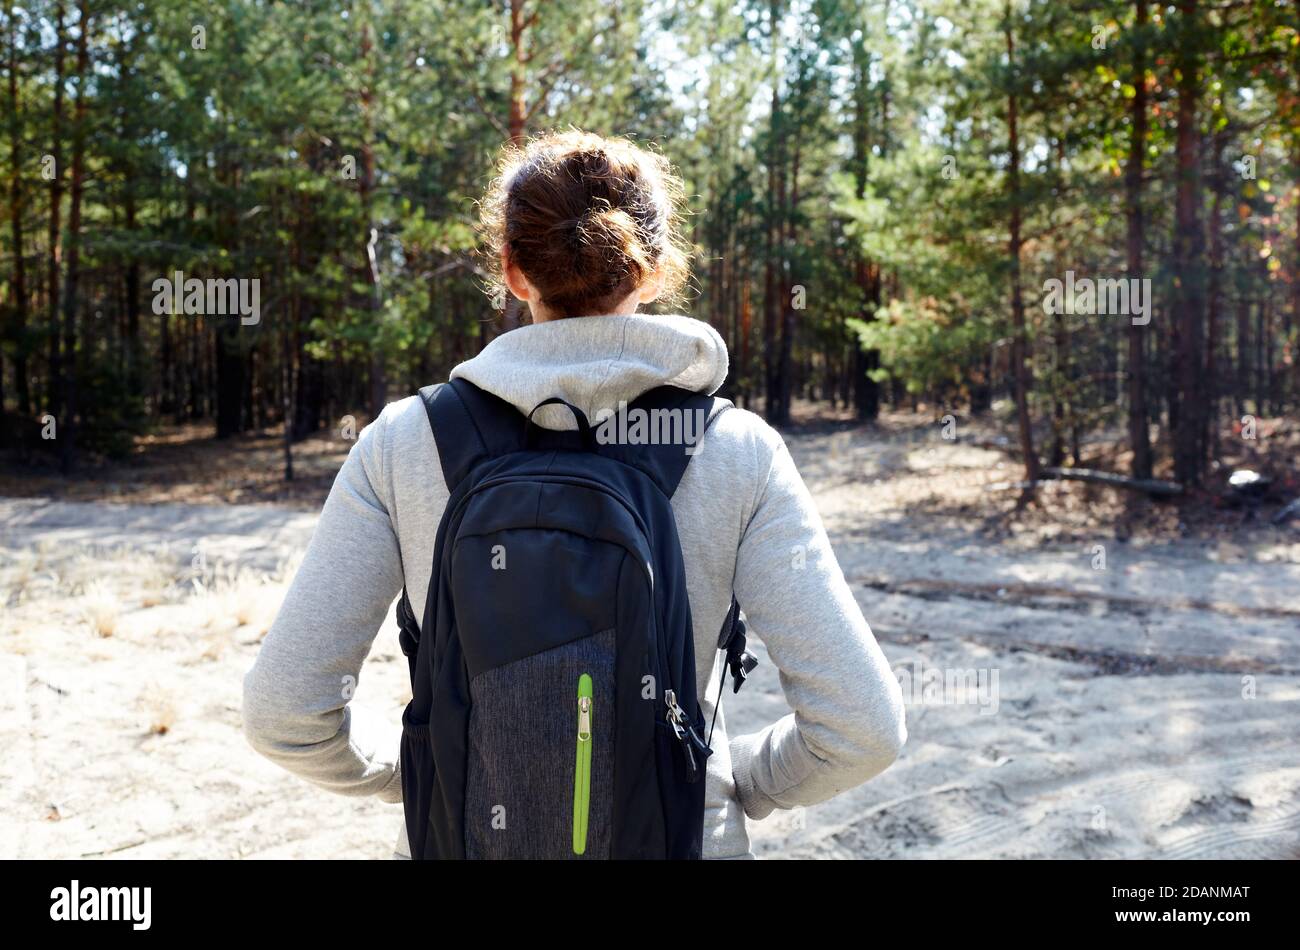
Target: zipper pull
<point>676,715</point>
<point>692,769</point>
<point>699,743</point>
<point>685,734</point>
<point>584,718</point>
<point>582,767</point>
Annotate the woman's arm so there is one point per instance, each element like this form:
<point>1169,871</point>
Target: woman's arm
<point>296,709</point>
<point>847,723</point>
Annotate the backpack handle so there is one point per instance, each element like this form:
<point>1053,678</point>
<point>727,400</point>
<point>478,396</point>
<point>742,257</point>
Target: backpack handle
<point>584,427</point>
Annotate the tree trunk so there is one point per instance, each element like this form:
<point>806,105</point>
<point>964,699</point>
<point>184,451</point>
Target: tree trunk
<point>1259,342</point>
<point>166,393</point>
<point>228,361</point>
<point>1060,360</point>
<point>55,382</point>
<point>866,391</point>
<point>519,59</point>
<point>134,347</point>
<point>786,366</point>
<point>1188,261</point>
<point>1210,379</point>
<point>68,443</point>
<point>286,397</point>
<point>1138,416</point>
<point>1243,355</point>
<point>771,280</point>
<point>19,287</point>
<point>230,365</point>
<point>1295,268</point>
<point>374,295</point>
<point>1020,343</point>
<point>1063,420</point>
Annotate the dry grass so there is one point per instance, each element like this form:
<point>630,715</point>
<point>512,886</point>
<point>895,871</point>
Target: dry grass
<point>101,608</point>
<point>237,605</point>
<point>138,594</point>
<point>162,712</point>
<point>99,578</point>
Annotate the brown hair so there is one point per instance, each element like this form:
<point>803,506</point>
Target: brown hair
<point>587,219</point>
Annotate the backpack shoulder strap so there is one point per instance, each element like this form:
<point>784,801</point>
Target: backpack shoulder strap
<point>666,463</point>
<point>469,426</point>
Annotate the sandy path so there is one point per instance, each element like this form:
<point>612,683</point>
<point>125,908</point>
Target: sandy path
<point>1148,709</point>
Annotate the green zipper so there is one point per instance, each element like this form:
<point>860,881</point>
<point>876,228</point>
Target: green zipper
<point>582,771</point>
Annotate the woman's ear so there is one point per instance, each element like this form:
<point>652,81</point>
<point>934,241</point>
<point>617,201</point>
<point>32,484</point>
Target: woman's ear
<point>516,282</point>
<point>652,287</point>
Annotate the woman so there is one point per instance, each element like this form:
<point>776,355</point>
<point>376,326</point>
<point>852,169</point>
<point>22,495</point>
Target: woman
<point>583,230</point>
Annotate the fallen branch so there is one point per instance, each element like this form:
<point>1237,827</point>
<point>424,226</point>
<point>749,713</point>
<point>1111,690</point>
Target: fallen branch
<point>1152,486</point>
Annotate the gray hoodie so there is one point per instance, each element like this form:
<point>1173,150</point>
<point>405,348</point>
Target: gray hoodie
<point>746,521</point>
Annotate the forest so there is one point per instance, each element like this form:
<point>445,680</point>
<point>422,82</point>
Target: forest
<point>1080,215</point>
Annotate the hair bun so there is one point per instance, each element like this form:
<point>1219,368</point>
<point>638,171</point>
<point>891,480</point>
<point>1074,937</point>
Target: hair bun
<point>609,237</point>
<point>587,220</point>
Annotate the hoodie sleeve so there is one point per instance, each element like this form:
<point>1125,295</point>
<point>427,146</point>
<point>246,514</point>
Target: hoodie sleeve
<point>296,707</point>
<point>847,724</point>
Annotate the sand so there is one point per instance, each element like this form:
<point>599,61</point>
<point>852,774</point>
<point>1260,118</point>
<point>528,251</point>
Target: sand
<point>1147,709</point>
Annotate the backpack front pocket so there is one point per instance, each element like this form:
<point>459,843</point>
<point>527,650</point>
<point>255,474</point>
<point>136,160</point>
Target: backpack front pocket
<point>539,779</point>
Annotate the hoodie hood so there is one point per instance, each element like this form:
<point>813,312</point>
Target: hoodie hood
<point>597,362</point>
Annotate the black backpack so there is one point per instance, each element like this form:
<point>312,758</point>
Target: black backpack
<point>554,710</point>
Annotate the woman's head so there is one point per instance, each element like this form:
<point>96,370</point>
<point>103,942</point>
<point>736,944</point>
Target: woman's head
<point>577,224</point>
